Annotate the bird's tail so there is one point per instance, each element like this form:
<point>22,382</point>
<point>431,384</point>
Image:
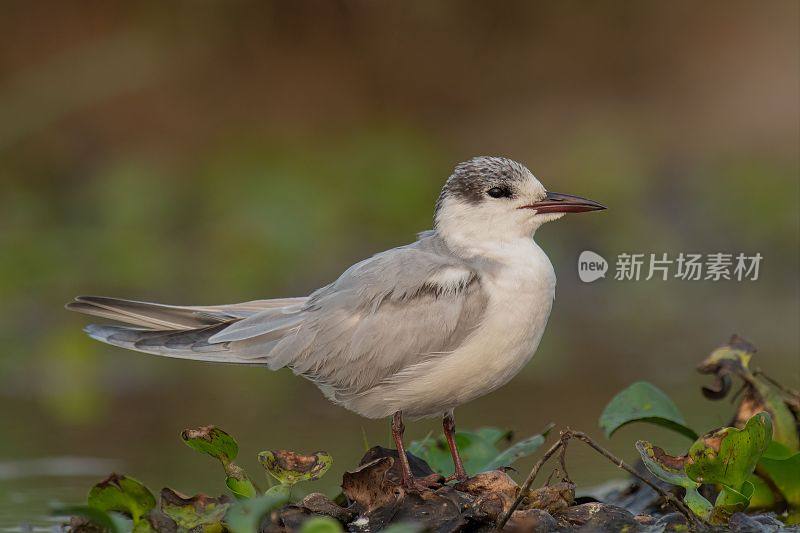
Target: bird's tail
<point>175,331</point>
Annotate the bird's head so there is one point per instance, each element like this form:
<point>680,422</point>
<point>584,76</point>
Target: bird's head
<point>494,198</point>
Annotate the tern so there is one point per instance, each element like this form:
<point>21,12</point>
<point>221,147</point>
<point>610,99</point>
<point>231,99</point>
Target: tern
<point>413,331</point>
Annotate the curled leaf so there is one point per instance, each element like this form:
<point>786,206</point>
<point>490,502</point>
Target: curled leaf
<point>122,494</point>
<point>215,442</point>
<point>238,482</point>
<point>290,467</point>
<point>212,441</point>
<point>671,469</point>
<point>733,359</point>
<point>643,402</point>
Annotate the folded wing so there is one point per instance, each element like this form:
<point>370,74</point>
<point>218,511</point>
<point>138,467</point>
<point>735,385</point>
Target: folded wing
<point>393,310</point>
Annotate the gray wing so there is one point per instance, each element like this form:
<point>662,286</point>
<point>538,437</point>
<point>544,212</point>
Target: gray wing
<point>383,314</point>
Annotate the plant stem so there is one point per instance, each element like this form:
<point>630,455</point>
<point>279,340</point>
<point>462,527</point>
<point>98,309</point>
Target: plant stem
<point>526,487</point>
<point>565,437</point>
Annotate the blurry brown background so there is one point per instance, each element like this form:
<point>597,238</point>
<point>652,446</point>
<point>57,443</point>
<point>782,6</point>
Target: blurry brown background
<point>210,152</point>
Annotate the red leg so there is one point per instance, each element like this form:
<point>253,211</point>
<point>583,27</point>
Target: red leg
<point>397,434</point>
<point>449,427</point>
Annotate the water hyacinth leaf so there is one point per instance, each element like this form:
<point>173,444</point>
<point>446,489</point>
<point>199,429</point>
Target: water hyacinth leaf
<point>195,511</point>
<point>664,466</point>
<point>245,516</point>
<point>212,441</point>
<point>280,490</point>
<point>671,469</point>
<point>728,456</point>
<point>733,359</point>
<point>785,474</point>
<point>122,494</point>
<point>643,402</point>
<point>111,522</point>
<point>321,524</point>
<point>290,467</point>
<point>238,482</point>
<point>697,503</point>
<point>215,442</point>
<point>763,496</point>
<point>478,450</point>
<point>494,435</point>
<point>730,501</point>
<point>519,450</point>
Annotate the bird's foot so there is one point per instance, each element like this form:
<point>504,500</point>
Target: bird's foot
<point>456,477</point>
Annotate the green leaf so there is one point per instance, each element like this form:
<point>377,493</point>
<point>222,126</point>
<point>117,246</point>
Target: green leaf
<point>728,456</point>
<point>321,524</point>
<point>189,513</point>
<point>643,402</point>
<point>730,501</point>
<point>763,496</point>
<point>238,482</point>
<point>697,503</point>
<point>671,469</point>
<point>122,494</point>
<point>111,522</point>
<point>785,474</point>
<point>290,467</point>
<point>519,450</point>
<point>215,442</point>
<point>281,490</point>
<point>494,435</point>
<point>212,441</point>
<point>245,516</point>
<point>478,450</point>
<point>759,394</point>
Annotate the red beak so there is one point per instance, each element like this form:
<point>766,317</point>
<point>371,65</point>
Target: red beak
<point>556,202</point>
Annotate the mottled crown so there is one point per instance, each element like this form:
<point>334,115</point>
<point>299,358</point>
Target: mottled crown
<point>472,178</point>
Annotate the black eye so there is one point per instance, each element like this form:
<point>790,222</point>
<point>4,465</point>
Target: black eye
<point>499,192</point>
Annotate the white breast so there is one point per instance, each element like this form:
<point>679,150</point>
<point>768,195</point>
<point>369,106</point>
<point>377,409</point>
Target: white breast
<point>521,291</point>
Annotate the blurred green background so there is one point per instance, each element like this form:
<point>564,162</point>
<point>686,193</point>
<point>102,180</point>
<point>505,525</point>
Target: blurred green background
<point>212,152</point>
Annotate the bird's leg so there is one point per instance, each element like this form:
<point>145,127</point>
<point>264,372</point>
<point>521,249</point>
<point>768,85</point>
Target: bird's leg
<point>449,427</point>
<point>397,434</point>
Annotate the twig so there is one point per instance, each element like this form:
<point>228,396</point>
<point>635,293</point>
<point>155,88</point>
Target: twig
<point>562,460</point>
<point>526,487</point>
<point>561,445</point>
<point>668,496</point>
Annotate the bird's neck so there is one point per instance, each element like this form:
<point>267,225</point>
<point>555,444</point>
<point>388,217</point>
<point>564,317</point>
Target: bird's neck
<point>473,240</point>
<point>473,246</point>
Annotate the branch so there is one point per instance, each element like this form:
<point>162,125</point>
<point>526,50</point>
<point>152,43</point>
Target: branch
<point>526,487</point>
<point>561,445</point>
<point>668,496</point>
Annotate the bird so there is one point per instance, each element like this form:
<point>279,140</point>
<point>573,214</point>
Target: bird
<point>414,331</point>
